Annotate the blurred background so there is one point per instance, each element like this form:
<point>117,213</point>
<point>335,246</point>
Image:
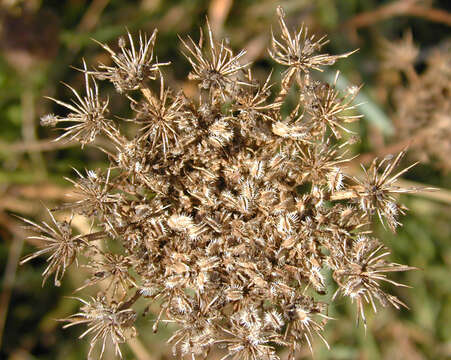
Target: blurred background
<point>403,62</point>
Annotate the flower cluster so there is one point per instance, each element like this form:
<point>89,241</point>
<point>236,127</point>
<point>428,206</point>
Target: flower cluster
<point>227,210</point>
<point>421,99</point>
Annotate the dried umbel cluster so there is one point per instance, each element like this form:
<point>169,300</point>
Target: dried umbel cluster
<point>422,103</point>
<point>226,211</point>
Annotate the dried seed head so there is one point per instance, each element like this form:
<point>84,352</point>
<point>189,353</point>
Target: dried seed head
<point>88,114</point>
<point>376,192</point>
<point>59,243</point>
<point>107,321</point>
<point>298,50</point>
<point>222,211</point>
<point>133,65</point>
<point>216,70</point>
<point>400,54</point>
<point>360,274</point>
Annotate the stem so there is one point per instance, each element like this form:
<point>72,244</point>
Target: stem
<point>10,270</point>
<point>400,7</point>
<point>139,349</point>
<point>92,15</point>
<point>115,135</point>
<point>285,85</point>
<point>35,146</point>
<point>344,195</point>
<point>29,127</point>
<point>44,145</point>
<point>148,94</point>
<point>131,301</point>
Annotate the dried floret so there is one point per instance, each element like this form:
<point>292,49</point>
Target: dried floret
<point>301,313</point>
<point>299,50</point>
<point>158,118</point>
<point>88,113</point>
<point>400,54</point>
<point>320,164</point>
<point>60,243</point>
<point>133,66</point>
<point>421,106</point>
<point>327,108</point>
<point>217,70</point>
<point>246,338</point>
<point>106,320</point>
<point>252,101</point>
<point>112,270</point>
<point>377,189</point>
<point>360,271</point>
<point>95,193</point>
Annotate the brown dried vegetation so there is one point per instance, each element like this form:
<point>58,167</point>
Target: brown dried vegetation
<point>421,99</point>
<point>228,212</point>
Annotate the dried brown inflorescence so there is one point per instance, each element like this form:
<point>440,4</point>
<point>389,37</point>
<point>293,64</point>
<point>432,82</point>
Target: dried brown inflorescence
<point>421,99</point>
<point>228,212</point>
